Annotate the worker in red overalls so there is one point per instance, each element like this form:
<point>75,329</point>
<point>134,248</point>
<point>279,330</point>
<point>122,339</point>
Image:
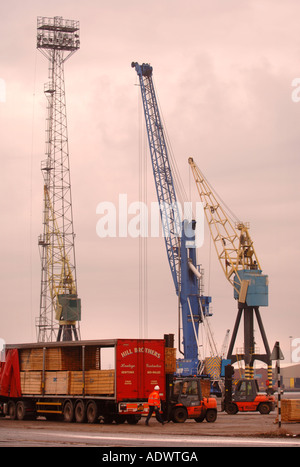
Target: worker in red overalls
<point>154,405</point>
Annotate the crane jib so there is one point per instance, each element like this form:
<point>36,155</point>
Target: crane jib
<point>170,215</point>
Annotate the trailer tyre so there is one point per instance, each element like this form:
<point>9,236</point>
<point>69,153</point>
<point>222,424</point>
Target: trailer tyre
<point>179,415</point>
<point>80,411</point>
<point>20,410</point>
<point>133,419</point>
<point>68,412</point>
<point>120,419</point>
<point>92,412</point>
<point>11,410</point>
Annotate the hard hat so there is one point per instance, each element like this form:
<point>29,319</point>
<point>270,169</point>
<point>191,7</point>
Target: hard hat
<point>157,388</point>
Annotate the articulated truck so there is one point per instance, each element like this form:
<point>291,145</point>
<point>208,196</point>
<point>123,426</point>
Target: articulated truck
<point>66,380</point>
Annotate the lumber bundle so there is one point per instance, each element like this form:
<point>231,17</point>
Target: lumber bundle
<point>31,382</point>
<point>59,359</point>
<point>290,410</point>
<point>170,360</point>
<point>99,382</point>
<point>31,359</point>
<point>205,387</point>
<point>96,382</point>
<point>57,382</point>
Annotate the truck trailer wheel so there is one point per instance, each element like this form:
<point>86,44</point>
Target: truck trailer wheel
<point>68,411</point>
<point>133,419</point>
<point>20,410</point>
<point>179,415</point>
<point>11,410</point>
<point>92,412</point>
<point>80,411</point>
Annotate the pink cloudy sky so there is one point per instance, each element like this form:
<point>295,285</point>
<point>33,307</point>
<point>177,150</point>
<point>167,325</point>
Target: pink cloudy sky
<point>223,72</point>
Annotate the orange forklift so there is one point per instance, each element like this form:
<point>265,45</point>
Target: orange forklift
<point>246,396</point>
<point>186,401</point>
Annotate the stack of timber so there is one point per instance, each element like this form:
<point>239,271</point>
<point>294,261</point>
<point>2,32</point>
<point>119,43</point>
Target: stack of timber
<point>58,359</point>
<point>205,387</point>
<point>63,372</point>
<point>57,382</point>
<point>31,382</point>
<point>290,410</point>
<point>170,360</point>
<point>95,382</point>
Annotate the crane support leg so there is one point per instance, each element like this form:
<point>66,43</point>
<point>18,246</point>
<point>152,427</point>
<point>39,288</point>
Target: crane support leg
<point>263,335</point>
<point>233,337</point>
<point>249,355</point>
<point>248,340</point>
<point>66,333</point>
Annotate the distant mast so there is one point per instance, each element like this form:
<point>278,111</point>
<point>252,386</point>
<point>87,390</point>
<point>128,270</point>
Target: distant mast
<point>60,307</point>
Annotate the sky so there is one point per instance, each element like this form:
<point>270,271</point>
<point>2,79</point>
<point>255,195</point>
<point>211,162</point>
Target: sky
<point>225,76</point>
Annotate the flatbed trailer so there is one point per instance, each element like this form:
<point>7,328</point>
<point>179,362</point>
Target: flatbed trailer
<point>66,380</point>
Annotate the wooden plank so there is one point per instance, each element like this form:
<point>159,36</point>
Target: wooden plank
<point>31,382</point>
<point>58,359</point>
<point>96,382</point>
<point>76,382</point>
<point>290,410</point>
<point>57,382</point>
<point>170,360</point>
<point>99,382</point>
<point>31,359</point>
<point>205,387</point>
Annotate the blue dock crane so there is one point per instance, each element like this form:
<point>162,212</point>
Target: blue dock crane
<point>179,234</point>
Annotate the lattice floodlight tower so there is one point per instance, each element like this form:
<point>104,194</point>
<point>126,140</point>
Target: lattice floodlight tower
<point>60,307</point>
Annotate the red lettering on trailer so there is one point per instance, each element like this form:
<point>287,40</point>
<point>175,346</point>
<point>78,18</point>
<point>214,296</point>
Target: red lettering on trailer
<point>140,365</point>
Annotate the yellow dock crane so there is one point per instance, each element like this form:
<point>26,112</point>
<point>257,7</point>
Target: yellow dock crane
<point>58,274</point>
<point>239,261</point>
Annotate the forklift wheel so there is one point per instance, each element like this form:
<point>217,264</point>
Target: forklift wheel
<point>231,408</point>
<point>199,419</point>
<point>211,416</point>
<point>179,415</point>
<point>264,409</point>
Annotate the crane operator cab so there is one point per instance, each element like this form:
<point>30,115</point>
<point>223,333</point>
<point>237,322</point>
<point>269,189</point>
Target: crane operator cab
<point>187,402</point>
